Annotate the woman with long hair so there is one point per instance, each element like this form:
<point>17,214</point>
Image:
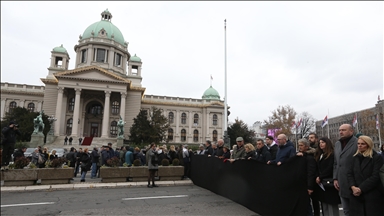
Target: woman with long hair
<point>328,196</point>
<point>367,196</point>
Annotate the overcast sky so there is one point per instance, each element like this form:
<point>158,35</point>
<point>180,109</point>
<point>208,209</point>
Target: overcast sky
<point>314,56</point>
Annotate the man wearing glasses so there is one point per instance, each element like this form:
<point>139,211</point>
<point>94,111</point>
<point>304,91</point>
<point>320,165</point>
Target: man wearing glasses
<point>238,150</point>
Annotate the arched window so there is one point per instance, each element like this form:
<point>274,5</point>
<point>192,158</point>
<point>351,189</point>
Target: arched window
<point>196,119</point>
<point>195,136</point>
<point>114,128</point>
<point>170,117</point>
<point>95,109</point>
<point>71,104</point>
<point>69,126</point>
<point>115,107</point>
<point>214,133</point>
<point>12,106</point>
<point>214,119</point>
<point>183,118</point>
<point>31,107</point>
<point>183,135</point>
<point>170,134</point>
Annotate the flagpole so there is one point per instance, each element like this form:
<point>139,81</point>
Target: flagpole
<point>226,138</point>
<point>378,128</point>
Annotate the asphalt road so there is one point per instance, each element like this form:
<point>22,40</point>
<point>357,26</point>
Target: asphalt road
<point>175,200</point>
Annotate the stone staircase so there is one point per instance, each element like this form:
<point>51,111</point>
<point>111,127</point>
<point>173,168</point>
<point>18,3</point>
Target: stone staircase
<point>96,142</point>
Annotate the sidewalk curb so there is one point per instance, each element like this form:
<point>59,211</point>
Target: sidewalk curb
<point>92,185</point>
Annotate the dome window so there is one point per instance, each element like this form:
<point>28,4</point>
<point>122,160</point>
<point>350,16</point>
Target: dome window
<point>100,55</point>
<point>118,58</point>
<point>83,56</point>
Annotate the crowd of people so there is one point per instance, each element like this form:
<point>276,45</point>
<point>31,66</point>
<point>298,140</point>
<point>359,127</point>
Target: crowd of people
<point>349,172</point>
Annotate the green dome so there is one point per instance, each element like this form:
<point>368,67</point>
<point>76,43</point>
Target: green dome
<point>135,58</point>
<point>105,24</point>
<point>60,49</point>
<point>211,94</point>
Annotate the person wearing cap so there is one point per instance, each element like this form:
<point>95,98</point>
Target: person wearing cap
<point>208,148</point>
<point>10,132</point>
<point>238,150</point>
<point>226,153</point>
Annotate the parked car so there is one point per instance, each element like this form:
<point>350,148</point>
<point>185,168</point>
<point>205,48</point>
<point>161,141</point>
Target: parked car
<point>61,152</point>
<point>28,152</point>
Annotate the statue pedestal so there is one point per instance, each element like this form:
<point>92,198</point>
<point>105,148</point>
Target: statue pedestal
<point>50,138</point>
<point>120,142</point>
<point>37,140</point>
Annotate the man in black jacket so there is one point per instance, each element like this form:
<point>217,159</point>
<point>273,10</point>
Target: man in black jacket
<point>8,143</point>
<point>272,147</point>
<point>219,150</point>
<point>263,155</point>
<point>208,148</point>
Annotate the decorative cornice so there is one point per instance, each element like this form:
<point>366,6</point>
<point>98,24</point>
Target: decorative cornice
<point>135,88</point>
<point>49,81</point>
<point>92,67</point>
<point>7,91</point>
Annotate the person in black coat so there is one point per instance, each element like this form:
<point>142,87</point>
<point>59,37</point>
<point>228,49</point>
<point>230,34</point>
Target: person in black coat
<point>272,147</point>
<point>208,148</point>
<point>172,154</point>
<point>329,197</point>
<point>250,151</point>
<point>95,160</point>
<point>367,197</point>
<point>8,143</point>
<point>85,163</point>
<point>19,153</point>
<point>71,157</point>
<point>262,153</point>
<point>311,169</point>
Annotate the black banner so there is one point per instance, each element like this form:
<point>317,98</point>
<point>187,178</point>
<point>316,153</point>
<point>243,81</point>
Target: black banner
<point>264,189</point>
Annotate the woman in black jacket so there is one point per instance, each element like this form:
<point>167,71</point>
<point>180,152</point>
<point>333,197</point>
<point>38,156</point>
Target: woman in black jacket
<point>85,163</point>
<point>250,151</point>
<point>329,196</point>
<point>367,196</point>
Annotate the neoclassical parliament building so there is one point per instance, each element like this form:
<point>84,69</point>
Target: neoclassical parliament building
<point>105,84</point>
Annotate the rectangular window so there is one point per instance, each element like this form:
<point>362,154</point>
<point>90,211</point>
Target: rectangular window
<point>100,55</point>
<point>83,55</point>
<point>118,58</point>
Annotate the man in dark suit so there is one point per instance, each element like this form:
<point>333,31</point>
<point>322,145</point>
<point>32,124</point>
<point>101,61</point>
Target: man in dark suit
<point>345,148</point>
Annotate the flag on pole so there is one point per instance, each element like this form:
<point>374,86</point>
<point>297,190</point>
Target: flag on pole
<point>293,124</point>
<point>299,123</point>
<point>377,122</point>
<point>354,120</point>
<point>325,121</point>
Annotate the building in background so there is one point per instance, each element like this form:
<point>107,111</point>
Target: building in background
<point>260,131</point>
<point>87,101</point>
<point>366,123</point>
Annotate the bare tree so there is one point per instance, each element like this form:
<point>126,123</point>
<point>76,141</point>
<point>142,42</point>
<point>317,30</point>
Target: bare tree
<point>307,125</point>
<point>281,119</point>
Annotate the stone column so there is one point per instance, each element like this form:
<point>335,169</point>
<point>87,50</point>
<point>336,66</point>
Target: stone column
<point>177,132</point>
<point>2,111</point>
<point>89,55</point>
<point>111,57</point>
<point>39,106</point>
<point>76,114</point>
<point>122,104</point>
<point>190,132</point>
<point>104,132</point>
<point>21,103</point>
<point>58,110</point>
<point>124,64</point>
<point>207,121</point>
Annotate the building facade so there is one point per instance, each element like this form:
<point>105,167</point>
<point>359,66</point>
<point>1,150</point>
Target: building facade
<point>366,124</point>
<point>87,101</point>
